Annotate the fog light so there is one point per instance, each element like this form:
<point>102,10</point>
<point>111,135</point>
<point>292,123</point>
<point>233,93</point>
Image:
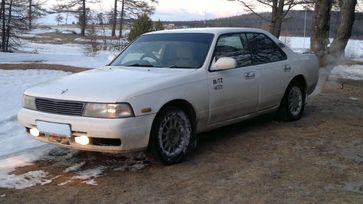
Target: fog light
<point>34,132</point>
<point>82,140</point>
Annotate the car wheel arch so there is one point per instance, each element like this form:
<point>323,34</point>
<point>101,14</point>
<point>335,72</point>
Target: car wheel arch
<point>301,79</point>
<point>183,104</point>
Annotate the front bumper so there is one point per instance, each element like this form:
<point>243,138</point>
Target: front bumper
<point>133,132</point>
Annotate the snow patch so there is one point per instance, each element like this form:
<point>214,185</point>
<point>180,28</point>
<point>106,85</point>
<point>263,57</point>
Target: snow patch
<point>354,72</point>
<point>13,83</point>
<point>87,176</point>
<point>26,180</point>
<point>353,98</point>
<point>90,173</point>
<point>353,50</point>
<point>18,149</point>
<point>75,167</point>
<point>91,182</point>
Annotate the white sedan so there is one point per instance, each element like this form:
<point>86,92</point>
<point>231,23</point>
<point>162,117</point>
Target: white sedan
<point>168,86</point>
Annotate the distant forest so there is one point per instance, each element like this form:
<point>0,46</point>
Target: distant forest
<point>293,25</point>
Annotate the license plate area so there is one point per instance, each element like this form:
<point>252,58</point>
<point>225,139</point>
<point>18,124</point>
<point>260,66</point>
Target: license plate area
<point>54,129</point>
<point>59,139</point>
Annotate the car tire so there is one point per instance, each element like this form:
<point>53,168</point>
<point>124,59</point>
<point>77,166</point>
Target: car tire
<point>172,136</point>
<point>293,103</point>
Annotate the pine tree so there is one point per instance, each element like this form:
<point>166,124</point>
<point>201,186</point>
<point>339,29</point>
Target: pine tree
<point>142,25</point>
<point>158,25</point>
<point>131,9</point>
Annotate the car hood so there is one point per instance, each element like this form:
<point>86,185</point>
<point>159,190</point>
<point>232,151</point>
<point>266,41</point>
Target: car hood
<point>109,84</point>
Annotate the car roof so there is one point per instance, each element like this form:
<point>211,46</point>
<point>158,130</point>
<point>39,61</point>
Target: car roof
<point>214,30</point>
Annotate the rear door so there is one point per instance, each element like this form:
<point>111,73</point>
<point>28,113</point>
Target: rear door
<point>234,92</point>
<point>274,69</point>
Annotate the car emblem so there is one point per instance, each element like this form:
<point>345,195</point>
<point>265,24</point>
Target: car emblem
<point>64,91</point>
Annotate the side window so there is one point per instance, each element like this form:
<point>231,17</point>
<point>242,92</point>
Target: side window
<point>232,45</point>
<point>263,49</point>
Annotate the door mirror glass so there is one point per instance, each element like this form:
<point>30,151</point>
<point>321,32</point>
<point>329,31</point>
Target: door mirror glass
<point>224,63</point>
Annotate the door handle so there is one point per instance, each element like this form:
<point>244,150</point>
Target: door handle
<point>287,68</point>
<point>250,75</point>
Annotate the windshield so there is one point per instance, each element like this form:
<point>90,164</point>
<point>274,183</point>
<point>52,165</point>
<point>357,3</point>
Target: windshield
<point>169,50</point>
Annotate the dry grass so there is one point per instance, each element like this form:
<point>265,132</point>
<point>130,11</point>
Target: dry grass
<point>318,159</point>
<point>42,66</point>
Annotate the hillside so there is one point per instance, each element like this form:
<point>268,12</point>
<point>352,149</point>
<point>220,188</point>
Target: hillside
<point>293,26</point>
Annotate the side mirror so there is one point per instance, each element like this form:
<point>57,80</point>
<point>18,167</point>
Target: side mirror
<point>281,45</point>
<point>224,63</point>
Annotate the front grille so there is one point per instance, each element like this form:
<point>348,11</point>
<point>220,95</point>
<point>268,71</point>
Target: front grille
<point>59,107</point>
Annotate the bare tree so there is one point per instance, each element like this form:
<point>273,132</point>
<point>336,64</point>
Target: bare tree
<point>114,19</point>
<point>3,26</point>
<point>59,18</point>
<point>122,18</point>
<point>83,19</point>
<point>30,12</point>
<point>279,11</point>
<point>344,32</point>
<point>320,28</point>
<point>78,5</point>
<point>13,13</point>
<point>35,10</point>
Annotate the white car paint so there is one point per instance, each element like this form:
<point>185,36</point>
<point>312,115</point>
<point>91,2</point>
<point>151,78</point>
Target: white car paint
<point>246,92</point>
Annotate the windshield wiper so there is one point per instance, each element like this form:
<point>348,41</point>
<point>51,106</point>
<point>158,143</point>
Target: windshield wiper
<point>139,65</point>
<point>176,66</point>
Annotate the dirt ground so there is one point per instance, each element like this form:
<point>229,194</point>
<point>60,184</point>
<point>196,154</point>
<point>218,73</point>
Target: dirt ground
<point>318,159</point>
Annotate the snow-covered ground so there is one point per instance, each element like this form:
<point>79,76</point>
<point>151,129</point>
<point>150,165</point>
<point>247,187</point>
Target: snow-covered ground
<point>50,19</point>
<point>354,72</point>
<point>63,54</point>
<point>354,48</point>
<point>18,149</point>
<point>72,54</point>
<point>77,60</point>
<point>12,85</point>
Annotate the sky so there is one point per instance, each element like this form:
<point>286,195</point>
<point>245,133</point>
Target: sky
<point>196,9</point>
<point>182,10</point>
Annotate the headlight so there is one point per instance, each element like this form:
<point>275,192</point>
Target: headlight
<point>99,110</point>
<point>29,102</point>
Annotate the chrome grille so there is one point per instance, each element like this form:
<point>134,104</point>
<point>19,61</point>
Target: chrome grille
<point>59,107</point>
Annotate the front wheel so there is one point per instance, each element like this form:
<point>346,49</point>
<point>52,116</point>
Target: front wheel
<point>293,104</point>
<point>172,136</point>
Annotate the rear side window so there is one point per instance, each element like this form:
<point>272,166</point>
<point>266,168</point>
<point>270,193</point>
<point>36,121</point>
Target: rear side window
<point>233,45</point>
<point>263,49</point>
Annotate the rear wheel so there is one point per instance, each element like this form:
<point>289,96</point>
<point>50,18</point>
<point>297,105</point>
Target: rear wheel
<point>293,104</point>
<point>172,136</point>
